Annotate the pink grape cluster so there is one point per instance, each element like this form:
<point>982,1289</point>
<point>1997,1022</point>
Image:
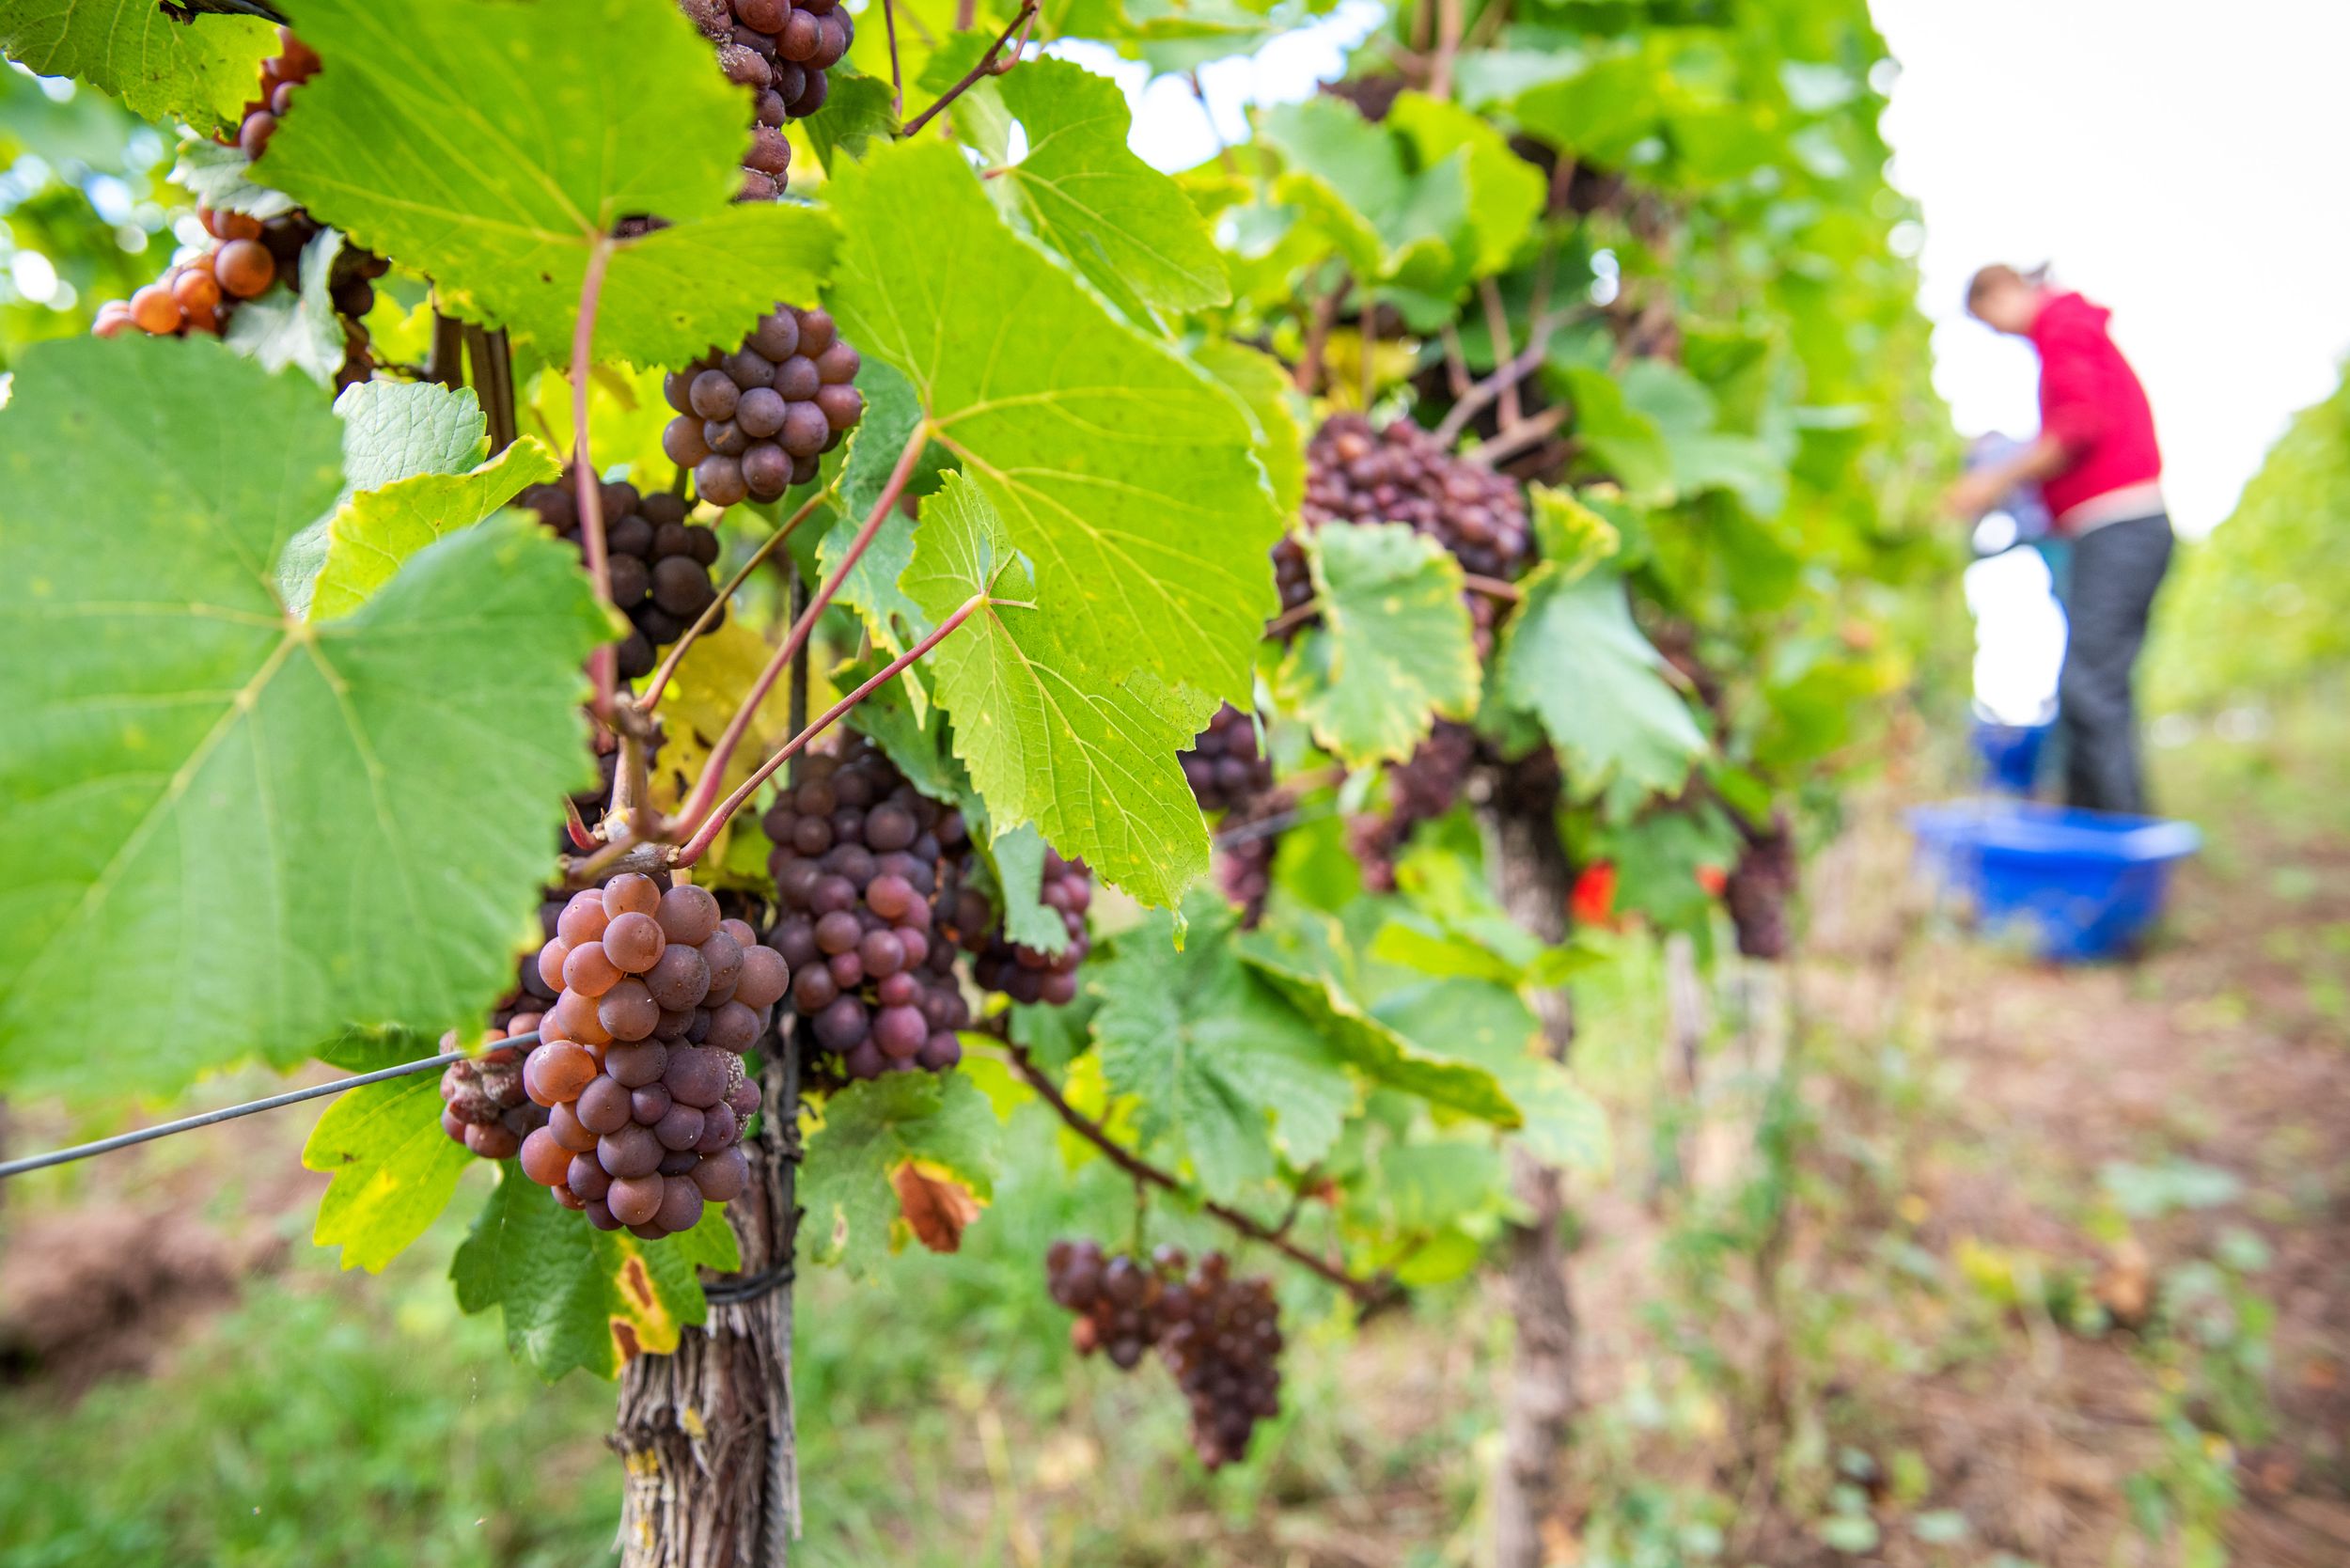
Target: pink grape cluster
<point>639,1064</point>
<point>752,422</point>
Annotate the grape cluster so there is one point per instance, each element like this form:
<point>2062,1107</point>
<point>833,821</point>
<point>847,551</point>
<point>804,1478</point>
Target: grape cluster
<point>861,863</point>
<point>659,562</point>
<point>483,1102</point>
<point>753,422</point>
<point>1030,974</point>
<point>249,255</point>
<point>1425,786</point>
<point>1247,842</point>
<point>1398,473</point>
<point>247,258</point>
<point>639,1061</point>
<point>780,50</point>
<point>295,63</point>
<point>1225,766</point>
<point>1220,1336</point>
<point>1758,890</point>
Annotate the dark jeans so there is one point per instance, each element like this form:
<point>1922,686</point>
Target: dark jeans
<point>2115,572</point>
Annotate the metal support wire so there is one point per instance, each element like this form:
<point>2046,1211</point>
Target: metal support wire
<point>229,1113</point>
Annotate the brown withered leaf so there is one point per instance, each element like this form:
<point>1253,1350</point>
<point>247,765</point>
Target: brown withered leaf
<point>936,1206</point>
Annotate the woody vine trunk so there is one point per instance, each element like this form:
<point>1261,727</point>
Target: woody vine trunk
<point>1533,878</point>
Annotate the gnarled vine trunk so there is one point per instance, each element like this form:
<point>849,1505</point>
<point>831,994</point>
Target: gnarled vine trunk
<point>1533,880</point>
<point>705,1434</point>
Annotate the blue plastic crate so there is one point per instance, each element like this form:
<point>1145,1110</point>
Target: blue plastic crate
<point>2079,886</point>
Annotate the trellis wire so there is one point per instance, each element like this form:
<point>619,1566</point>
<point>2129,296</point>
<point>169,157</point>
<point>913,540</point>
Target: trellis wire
<point>229,1113</point>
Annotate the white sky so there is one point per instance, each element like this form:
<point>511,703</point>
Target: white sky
<point>2180,164</point>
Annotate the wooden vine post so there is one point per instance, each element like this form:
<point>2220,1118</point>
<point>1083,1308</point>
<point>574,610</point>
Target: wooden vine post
<point>706,1435</point>
<point>1539,1398</point>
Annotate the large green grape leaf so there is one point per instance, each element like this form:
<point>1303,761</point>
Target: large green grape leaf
<point>494,143</point>
<point>201,71</point>
<point>1120,472</point>
<point>295,827</point>
<point>1491,1024</point>
<point>1443,1075</point>
<point>1049,737</point>
<point>576,1297</point>
<point>375,532</point>
<point>1394,650</point>
<point>937,1122</point>
<point>394,1168</point>
<point>1121,222</point>
<point>857,114</point>
<point>1219,1062</point>
<point>1019,858</point>
<point>1573,658</point>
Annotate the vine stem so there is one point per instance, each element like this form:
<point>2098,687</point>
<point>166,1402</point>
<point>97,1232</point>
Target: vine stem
<point>604,664</point>
<point>897,82</point>
<point>708,616</point>
<point>1370,1294</point>
<point>706,787</point>
<point>707,832</point>
<point>987,66</point>
<point>1289,620</point>
<point>1504,380</point>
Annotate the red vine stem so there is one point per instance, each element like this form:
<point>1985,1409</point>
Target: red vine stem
<point>986,67</point>
<point>714,772</point>
<point>1370,1294</point>
<point>897,84</point>
<point>710,615</point>
<point>705,835</point>
<point>602,665</point>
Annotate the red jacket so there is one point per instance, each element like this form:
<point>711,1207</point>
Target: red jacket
<point>2090,398</point>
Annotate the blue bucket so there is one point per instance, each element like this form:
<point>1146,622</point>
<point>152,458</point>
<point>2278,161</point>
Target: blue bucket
<point>2079,886</point>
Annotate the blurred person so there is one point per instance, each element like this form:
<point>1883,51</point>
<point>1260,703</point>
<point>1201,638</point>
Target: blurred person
<point>2100,471</point>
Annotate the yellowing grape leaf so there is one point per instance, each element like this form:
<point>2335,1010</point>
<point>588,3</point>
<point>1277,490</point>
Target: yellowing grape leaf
<point>298,827</point>
<point>1395,649</point>
<point>494,143</point>
<point>394,1168</point>
<point>855,1209</point>
<point>576,1297</point>
<point>1048,738</point>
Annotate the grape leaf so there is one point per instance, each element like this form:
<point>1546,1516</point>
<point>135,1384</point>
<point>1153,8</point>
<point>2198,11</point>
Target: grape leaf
<point>1569,532</point>
<point>1127,227</point>
<point>619,111</point>
<point>869,1132</point>
<point>857,114</point>
<point>1392,224</point>
<point>1394,650</point>
<point>1019,857</point>
<point>1277,434</point>
<point>892,619</point>
<point>394,429</point>
<point>1440,1076</point>
<point>221,177</point>
<point>1505,192</point>
<point>394,1168</point>
<point>377,530</point>
<point>936,1208</point>
<point>295,326</point>
<point>1089,760</point>
<point>573,1296</point>
<point>1216,1058</point>
<point>201,71</point>
<point>1571,657</point>
<point>1120,473</point>
<point>1491,1024</point>
<point>298,827</point>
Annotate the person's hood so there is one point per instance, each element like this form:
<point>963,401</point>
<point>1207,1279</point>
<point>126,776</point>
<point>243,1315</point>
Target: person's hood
<point>2068,316</point>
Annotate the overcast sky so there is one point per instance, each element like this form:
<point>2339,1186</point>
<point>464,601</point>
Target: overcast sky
<point>2180,164</point>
